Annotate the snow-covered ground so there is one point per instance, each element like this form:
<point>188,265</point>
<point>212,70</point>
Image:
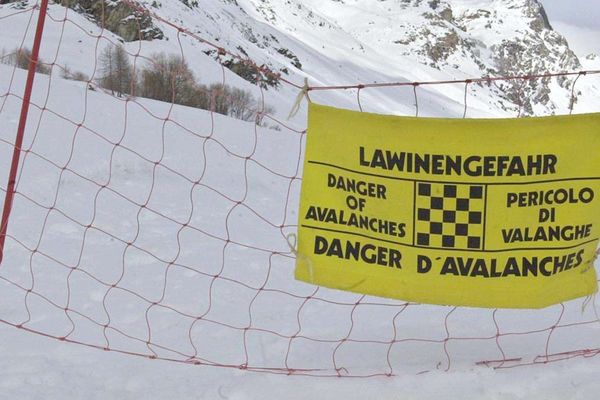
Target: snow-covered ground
<point>39,368</point>
<point>166,274</point>
<point>204,270</point>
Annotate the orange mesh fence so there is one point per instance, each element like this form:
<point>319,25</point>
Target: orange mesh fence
<point>160,228</point>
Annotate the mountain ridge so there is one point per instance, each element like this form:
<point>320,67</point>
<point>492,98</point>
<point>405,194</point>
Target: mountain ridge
<point>333,42</point>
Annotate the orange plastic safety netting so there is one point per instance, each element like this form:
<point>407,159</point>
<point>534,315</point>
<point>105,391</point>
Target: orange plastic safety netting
<point>151,216</point>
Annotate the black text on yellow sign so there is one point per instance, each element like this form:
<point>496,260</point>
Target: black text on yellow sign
<point>484,213</point>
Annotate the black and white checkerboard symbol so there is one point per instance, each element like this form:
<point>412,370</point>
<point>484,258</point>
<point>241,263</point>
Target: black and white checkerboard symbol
<point>449,215</point>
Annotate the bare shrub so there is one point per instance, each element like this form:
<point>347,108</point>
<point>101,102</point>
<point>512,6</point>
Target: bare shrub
<point>21,57</point>
<point>168,78</point>
<point>238,103</point>
<point>74,75</point>
<point>242,104</point>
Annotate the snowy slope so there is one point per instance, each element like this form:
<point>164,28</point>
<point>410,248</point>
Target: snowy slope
<point>351,42</point>
<point>419,40</point>
<point>74,44</point>
<point>33,366</point>
<point>234,223</point>
<point>357,41</point>
<point>129,274</point>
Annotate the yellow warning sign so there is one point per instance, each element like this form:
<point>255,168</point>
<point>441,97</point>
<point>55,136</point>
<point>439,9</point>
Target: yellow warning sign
<point>479,212</point>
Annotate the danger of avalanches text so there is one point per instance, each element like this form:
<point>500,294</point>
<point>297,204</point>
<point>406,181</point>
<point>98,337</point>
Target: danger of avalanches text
<point>368,253</point>
<point>457,266</point>
<point>390,257</point>
<point>356,202</point>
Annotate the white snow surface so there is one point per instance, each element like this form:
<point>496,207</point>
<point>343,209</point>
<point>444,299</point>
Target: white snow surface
<point>37,368</point>
<point>236,223</point>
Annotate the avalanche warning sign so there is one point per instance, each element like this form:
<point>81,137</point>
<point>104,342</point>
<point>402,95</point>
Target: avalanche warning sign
<point>480,212</point>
